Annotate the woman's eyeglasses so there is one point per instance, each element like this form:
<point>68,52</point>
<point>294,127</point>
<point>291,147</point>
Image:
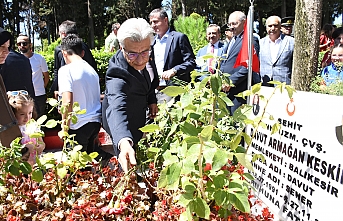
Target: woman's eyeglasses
<point>22,43</point>
<point>16,93</point>
<point>133,56</point>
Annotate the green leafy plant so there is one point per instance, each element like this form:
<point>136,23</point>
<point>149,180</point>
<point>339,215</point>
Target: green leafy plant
<point>335,88</point>
<point>58,188</point>
<point>198,148</point>
<point>11,161</point>
<point>72,161</point>
<point>194,26</point>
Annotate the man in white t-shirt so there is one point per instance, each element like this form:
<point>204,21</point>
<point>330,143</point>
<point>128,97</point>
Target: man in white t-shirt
<point>79,82</point>
<point>40,74</point>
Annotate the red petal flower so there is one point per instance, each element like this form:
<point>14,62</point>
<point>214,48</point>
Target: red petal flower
<point>128,199</point>
<point>208,167</point>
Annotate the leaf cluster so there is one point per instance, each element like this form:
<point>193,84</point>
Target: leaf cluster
<point>194,26</point>
<point>71,161</point>
<point>199,148</point>
<point>189,134</point>
<point>335,88</point>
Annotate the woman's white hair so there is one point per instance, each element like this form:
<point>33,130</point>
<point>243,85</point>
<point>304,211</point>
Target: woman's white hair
<point>135,29</point>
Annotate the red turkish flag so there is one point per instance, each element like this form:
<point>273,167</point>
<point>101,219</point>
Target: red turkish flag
<point>243,55</point>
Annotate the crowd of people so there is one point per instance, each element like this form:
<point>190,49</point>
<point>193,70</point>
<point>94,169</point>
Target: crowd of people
<point>149,55</point>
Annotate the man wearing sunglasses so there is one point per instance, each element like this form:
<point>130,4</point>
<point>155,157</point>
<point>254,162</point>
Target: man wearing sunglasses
<point>130,90</point>
<point>40,74</point>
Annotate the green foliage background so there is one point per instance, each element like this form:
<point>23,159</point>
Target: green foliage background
<point>102,58</point>
<point>194,26</point>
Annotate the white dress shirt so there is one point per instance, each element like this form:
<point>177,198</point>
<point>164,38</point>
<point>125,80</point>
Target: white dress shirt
<point>274,48</point>
<point>159,50</point>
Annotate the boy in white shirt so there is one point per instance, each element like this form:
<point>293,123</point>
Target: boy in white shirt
<point>79,82</point>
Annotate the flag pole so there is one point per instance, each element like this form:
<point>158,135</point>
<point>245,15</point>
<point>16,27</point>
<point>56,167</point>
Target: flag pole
<point>250,21</point>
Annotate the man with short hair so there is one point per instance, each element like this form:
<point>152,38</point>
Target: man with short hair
<point>15,68</point>
<point>238,75</point>
<point>172,52</point>
<point>79,82</point>
<point>111,42</point>
<point>130,90</point>
<point>5,45</point>
<point>68,27</point>
<point>40,74</point>
<point>276,55</point>
<point>9,129</point>
<point>213,47</point>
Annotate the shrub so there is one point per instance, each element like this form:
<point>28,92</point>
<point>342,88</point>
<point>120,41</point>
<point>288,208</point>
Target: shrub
<point>194,26</point>
<point>197,148</point>
<point>100,57</point>
<point>332,89</point>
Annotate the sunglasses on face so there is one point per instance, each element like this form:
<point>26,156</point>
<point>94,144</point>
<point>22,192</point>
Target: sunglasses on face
<point>22,43</point>
<point>16,93</point>
<point>133,56</point>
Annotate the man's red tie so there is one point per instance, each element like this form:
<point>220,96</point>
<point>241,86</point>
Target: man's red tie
<point>210,61</point>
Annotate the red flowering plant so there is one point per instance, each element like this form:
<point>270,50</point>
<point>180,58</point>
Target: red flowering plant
<point>197,148</point>
<point>105,194</point>
<point>59,188</point>
<point>194,169</point>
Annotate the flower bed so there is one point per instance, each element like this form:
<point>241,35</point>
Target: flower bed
<point>103,195</point>
<point>191,159</point>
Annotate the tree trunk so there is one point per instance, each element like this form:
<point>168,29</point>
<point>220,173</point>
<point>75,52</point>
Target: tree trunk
<point>16,17</point>
<point>90,26</point>
<point>1,14</point>
<point>56,33</point>
<point>305,58</point>
<point>283,9</point>
<point>183,5</point>
<point>29,28</point>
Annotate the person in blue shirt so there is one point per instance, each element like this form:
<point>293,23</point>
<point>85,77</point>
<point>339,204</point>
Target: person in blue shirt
<point>334,72</point>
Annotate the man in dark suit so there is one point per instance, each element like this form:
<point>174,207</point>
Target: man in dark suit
<point>238,75</point>
<point>214,47</point>
<point>15,68</point>
<point>68,27</point>
<point>173,53</point>
<point>130,89</point>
